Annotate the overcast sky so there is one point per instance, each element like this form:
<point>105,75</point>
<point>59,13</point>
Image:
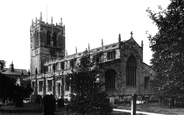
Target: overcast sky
<point>86,21</point>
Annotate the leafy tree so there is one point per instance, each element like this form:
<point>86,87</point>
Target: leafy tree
<point>2,65</point>
<point>27,91</point>
<point>87,96</point>
<point>7,87</point>
<point>168,50</point>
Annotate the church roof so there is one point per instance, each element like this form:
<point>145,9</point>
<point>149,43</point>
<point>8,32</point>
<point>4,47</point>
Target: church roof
<point>103,48</point>
<point>16,72</point>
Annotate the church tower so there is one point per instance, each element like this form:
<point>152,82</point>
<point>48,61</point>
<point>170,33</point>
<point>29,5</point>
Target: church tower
<point>47,43</point>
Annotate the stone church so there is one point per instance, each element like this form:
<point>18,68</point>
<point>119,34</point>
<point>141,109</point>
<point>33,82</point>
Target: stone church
<point>123,70</point>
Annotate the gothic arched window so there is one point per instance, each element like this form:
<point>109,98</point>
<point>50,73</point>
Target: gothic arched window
<point>55,39</point>
<point>48,37</point>
<point>131,67</point>
<point>110,79</point>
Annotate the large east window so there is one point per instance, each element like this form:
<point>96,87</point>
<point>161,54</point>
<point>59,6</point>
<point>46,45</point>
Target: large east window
<point>131,71</point>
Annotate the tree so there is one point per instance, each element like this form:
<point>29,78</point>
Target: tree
<point>168,50</point>
<point>7,87</point>
<point>87,96</point>
<point>2,65</point>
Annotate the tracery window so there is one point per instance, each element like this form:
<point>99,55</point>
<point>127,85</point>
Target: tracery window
<point>131,71</point>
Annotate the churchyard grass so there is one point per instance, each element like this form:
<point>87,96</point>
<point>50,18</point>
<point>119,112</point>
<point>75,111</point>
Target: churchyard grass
<point>155,108</point>
<point>36,109</point>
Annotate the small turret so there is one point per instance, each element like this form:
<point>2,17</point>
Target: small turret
<point>12,67</point>
<point>36,20</point>
<point>142,44</point>
<point>40,16</point>
<point>76,49</point>
<point>61,23</point>
<point>51,20</point>
<point>88,47</point>
<point>119,38</point>
<point>102,43</point>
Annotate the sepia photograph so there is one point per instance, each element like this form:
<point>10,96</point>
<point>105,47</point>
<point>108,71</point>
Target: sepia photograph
<point>92,57</point>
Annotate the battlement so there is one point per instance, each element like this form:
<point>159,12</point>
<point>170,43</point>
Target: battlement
<point>41,22</point>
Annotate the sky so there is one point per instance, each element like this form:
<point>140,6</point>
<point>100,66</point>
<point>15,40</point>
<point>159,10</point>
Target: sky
<point>86,21</point>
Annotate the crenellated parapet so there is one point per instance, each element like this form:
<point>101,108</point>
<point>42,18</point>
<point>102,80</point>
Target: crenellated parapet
<point>39,22</point>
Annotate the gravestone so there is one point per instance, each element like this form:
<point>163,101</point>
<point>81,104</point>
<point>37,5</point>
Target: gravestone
<point>61,102</point>
<point>49,104</point>
<point>19,102</point>
<point>111,100</point>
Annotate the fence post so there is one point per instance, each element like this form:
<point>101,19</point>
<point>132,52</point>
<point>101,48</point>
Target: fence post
<point>133,105</point>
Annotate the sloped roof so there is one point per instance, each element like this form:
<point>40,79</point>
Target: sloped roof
<point>16,72</point>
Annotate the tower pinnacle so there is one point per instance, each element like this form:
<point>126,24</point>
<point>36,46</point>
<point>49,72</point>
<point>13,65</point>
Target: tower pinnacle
<point>61,23</point>
<point>52,20</point>
<point>36,20</point>
<point>102,42</point>
<point>119,38</point>
<point>40,16</point>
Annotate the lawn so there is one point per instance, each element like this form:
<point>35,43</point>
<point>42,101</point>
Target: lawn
<point>155,108</point>
<point>36,109</point>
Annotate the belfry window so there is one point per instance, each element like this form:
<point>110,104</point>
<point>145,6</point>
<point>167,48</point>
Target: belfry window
<point>55,39</point>
<point>48,37</point>
<point>110,79</point>
<point>131,71</point>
